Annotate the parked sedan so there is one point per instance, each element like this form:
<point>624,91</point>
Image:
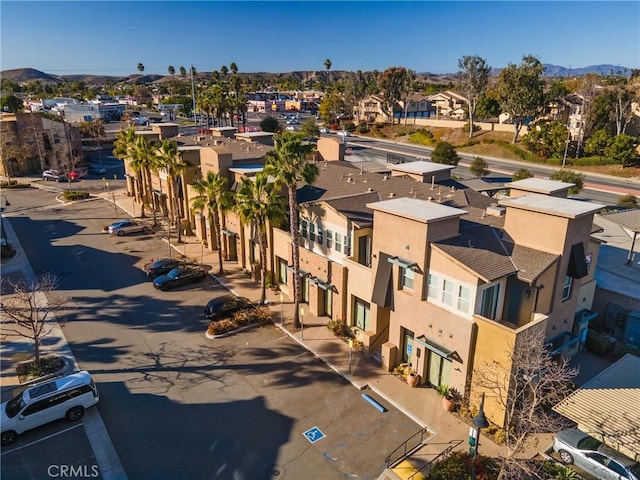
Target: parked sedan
<point>596,458</point>
<point>162,266</point>
<point>54,175</point>
<point>225,306</point>
<point>124,227</point>
<point>179,276</point>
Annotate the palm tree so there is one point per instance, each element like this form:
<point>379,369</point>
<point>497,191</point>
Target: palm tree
<point>183,72</point>
<point>170,160</point>
<point>141,70</point>
<point>145,161</point>
<point>256,203</point>
<point>288,164</point>
<point>214,197</point>
<point>124,147</point>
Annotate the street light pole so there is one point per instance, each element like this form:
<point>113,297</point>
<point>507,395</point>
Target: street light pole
<point>479,422</point>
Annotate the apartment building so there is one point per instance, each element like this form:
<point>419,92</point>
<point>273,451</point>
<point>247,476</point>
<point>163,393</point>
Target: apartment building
<point>32,143</point>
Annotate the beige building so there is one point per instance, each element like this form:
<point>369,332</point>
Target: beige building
<point>32,143</point>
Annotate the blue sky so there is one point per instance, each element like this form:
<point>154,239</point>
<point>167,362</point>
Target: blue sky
<point>111,38</point>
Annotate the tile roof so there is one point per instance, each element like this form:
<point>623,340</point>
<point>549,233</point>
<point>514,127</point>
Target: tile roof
<point>628,218</point>
<point>355,207</point>
<point>480,248</point>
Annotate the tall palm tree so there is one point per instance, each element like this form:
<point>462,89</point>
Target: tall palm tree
<point>145,161</point>
<point>288,164</point>
<point>183,72</point>
<point>170,160</point>
<point>257,202</point>
<point>124,147</point>
<point>214,197</point>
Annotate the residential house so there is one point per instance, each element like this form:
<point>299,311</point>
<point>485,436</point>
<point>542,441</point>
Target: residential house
<point>568,110</point>
<point>449,105</point>
<point>418,106</point>
<point>371,109</point>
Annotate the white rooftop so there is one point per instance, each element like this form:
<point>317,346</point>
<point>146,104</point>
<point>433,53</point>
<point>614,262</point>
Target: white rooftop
<point>247,170</point>
<point>223,129</point>
<point>421,210</point>
<point>563,207</point>
<point>254,134</point>
<point>539,185</point>
<point>421,167</point>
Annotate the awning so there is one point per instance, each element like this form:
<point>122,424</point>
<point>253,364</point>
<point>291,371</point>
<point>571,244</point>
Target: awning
<point>228,233</point>
<point>382,284</point>
<point>403,262</point>
<point>435,347</point>
<point>577,262</point>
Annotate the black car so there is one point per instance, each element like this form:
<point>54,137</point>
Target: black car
<point>225,306</point>
<point>179,276</point>
<point>162,266</point>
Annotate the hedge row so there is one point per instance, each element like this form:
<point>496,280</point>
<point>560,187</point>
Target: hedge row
<point>14,184</point>
<point>74,195</point>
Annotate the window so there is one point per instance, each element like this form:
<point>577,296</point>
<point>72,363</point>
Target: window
<point>304,228</point>
<point>362,313</point>
<point>447,292</point>
<point>347,246</point>
<point>338,242</point>
<point>406,277</point>
<point>329,239</point>
<point>463,299</point>
<point>56,138</point>
<point>282,271</point>
<point>432,290</point>
<point>320,235</point>
<point>489,307</point>
<point>312,232</point>
<point>566,288</point>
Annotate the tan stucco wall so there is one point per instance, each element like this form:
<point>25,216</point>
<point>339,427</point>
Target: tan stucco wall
<point>330,149</point>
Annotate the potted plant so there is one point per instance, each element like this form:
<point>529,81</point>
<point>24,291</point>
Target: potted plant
<point>412,377</point>
<point>448,396</point>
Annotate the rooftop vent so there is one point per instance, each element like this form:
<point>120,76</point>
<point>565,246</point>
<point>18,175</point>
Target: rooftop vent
<point>369,189</point>
<point>384,178</point>
<point>391,195</point>
<point>495,211</point>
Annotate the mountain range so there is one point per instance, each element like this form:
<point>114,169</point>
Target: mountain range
<point>26,74</point>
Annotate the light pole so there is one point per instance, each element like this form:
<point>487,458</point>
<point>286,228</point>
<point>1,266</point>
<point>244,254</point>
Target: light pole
<point>479,422</point>
<point>113,199</point>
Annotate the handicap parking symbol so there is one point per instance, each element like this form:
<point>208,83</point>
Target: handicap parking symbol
<point>314,434</point>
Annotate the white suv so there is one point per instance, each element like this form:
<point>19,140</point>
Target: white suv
<point>45,402</point>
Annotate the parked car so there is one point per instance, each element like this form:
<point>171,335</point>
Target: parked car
<point>344,133</point>
<point>65,397</point>
<point>576,447</point>
<point>54,175</point>
<point>162,266</point>
<point>225,306</point>
<point>179,276</point>
<point>124,227</point>
<point>95,169</point>
<point>324,130</point>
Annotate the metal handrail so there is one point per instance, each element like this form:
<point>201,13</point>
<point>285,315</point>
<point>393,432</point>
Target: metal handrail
<point>405,451</point>
<point>443,454</point>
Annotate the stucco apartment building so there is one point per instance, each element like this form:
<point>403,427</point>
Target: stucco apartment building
<point>32,143</point>
<point>425,271</point>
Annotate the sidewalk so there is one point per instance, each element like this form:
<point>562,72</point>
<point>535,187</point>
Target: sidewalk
<point>421,404</point>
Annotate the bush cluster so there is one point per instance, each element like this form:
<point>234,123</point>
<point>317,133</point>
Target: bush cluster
<point>349,127</point>
<point>467,125</point>
<point>14,184</point>
<point>421,137</point>
<point>363,128</point>
<point>257,315</point>
<point>74,195</point>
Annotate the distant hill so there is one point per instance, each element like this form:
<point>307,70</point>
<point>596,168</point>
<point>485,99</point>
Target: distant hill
<point>26,74</point>
<point>558,71</point>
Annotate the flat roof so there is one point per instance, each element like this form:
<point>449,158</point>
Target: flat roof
<point>424,211</point>
<point>223,129</point>
<point>189,147</point>
<point>255,134</point>
<point>539,185</point>
<point>563,207</point>
<point>420,167</point>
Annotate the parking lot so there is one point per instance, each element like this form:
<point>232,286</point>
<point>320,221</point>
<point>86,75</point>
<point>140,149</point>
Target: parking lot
<point>175,404</point>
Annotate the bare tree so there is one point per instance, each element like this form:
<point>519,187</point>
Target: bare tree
<point>28,305</point>
<point>473,79</point>
<point>525,390</point>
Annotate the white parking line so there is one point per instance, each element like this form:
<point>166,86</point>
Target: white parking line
<point>43,439</point>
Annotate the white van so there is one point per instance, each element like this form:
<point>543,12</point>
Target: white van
<point>45,402</point>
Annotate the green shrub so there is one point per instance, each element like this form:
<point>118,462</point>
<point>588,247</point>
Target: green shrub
<point>598,343</point>
<point>465,128</point>
<point>14,184</point>
<point>338,327</point>
<point>458,466</point>
<point>74,195</point>
<point>363,128</point>
<point>257,315</point>
<point>421,137</point>
<point>592,161</point>
<point>349,127</point>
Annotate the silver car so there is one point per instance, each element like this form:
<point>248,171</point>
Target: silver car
<point>54,175</point>
<point>593,456</point>
<point>124,227</point>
